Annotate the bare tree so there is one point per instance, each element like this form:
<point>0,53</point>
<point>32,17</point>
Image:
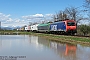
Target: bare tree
<point>87,8</point>
<point>61,15</point>
<point>75,13</point>
<point>30,23</point>
<point>87,4</point>
<point>54,17</point>
<point>72,13</point>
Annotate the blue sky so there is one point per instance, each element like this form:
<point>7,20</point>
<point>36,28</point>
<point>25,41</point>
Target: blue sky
<point>21,12</point>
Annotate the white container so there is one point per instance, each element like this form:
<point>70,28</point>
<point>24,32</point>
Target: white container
<point>27,28</point>
<point>34,27</point>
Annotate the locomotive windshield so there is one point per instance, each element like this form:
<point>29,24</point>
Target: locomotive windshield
<point>71,23</point>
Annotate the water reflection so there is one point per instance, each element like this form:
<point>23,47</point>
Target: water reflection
<point>38,48</point>
<point>34,41</point>
<point>67,51</point>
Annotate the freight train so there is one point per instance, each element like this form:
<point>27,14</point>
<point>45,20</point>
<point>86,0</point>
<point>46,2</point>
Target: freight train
<point>60,27</point>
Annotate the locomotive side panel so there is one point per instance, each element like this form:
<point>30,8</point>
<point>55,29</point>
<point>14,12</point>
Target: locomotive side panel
<point>58,26</point>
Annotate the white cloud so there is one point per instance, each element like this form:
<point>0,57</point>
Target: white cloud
<point>17,20</point>
<point>48,15</point>
<point>9,20</point>
<point>6,19</point>
<point>38,15</point>
<point>30,17</point>
<point>8,15</point>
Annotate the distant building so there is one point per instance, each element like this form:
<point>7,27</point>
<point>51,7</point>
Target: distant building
<point>0,25</point>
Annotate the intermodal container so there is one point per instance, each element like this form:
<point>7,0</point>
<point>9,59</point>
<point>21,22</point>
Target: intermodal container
<point>34,27</point>
<point>43,27</point>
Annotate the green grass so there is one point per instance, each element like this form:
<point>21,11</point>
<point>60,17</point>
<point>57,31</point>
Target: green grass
<point>84,39</point>
<point>67,39</point>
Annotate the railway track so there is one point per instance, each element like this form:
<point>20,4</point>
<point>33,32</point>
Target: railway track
<point>73,35</point>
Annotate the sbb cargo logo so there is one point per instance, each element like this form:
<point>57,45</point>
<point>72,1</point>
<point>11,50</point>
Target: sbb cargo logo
<point>54,27</point>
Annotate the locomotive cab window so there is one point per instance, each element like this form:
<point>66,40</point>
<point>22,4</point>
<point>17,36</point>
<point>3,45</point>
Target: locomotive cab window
<point>71,23</point>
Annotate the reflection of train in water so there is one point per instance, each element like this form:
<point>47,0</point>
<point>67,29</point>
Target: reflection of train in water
<point>65,26</point>
<point>64,49</point>
<point>70,49</point>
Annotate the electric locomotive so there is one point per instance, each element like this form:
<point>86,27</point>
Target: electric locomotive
<point>64,27</point>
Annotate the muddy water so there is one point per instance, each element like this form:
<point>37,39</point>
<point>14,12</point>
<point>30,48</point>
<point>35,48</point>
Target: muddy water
<point>27,47</point>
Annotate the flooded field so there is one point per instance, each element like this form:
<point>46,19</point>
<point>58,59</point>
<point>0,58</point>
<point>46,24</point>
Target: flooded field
<point>28,47</point>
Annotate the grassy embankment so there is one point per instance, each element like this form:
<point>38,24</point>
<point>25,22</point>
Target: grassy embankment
<point>61,38</point>
<point>66,39</point>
